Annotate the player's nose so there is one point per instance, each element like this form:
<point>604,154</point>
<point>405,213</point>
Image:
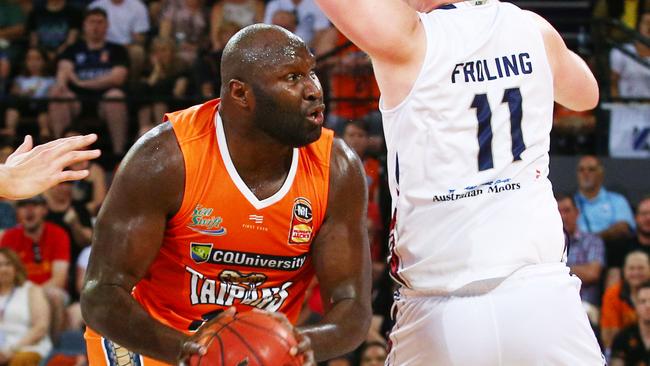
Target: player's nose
<point>313,89</point>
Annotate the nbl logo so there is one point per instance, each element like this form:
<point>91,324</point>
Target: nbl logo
<point>301,222</point>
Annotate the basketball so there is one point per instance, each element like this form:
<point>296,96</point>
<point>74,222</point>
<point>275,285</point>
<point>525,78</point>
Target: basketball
<point>247,339</point>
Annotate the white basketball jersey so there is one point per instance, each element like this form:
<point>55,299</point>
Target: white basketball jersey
<point>468,152</point>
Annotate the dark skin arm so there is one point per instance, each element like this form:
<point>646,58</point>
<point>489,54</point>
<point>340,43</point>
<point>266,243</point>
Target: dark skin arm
<point>147,190</point>
<point>342,261</point>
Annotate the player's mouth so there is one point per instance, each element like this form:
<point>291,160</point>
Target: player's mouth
<point>316,116</point>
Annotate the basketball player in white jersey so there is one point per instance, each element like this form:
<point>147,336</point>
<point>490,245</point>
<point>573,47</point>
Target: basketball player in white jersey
<point>477,243</point>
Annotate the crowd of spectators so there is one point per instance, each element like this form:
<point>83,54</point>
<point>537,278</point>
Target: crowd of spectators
<point>116,66</point>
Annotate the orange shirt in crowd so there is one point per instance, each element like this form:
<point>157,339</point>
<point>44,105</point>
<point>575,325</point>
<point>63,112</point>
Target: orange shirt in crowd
<point>616,312</point>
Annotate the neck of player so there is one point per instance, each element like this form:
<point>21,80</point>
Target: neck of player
<point>261,161</point>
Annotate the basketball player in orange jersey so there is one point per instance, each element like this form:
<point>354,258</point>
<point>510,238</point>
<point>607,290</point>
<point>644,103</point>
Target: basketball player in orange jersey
<point>237,202</point>
<point>32,170</point>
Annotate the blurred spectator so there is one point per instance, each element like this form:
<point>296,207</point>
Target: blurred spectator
<point>355,134</point>
<point>617,311</point>
<point>185,23</point>
<point>166,80</point>
<point>353,88</point>
<point>627,11</point>
<point>53,27</point>
<point>73,218</point>
<point>207,72</point>
<point>630,345</point>
<point>44,248</point>
<point>285,19</point>
<point>25,319</point>
<point>630,79</point>
<point>313,26</point>
<point>7,211</point>
<point>90,191</point>
<point>586,252</point>
<point>573,132</point>
<point>92,68</point>
<point>640,241</point>
<point>5,70</point>
<point>373,354</point>
<point>12,27</point>
<point>128,23</point>
<point>239,12</point>
<point>75,320</point>
<point>602,212</point>
<point>29,88</point>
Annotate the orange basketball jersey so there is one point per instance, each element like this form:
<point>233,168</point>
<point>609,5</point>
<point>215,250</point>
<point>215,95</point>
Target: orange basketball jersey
<point>225,247</point>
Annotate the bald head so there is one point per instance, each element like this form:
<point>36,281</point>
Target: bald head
<point>256,47</point>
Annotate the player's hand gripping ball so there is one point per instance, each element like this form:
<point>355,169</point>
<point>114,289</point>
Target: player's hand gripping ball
<point>253,338</point>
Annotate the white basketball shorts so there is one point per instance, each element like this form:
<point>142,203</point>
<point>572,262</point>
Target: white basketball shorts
<point>533,317</point>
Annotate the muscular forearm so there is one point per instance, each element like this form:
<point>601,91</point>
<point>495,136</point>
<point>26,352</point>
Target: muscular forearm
<point>111,311</point>
<point>342,329</point>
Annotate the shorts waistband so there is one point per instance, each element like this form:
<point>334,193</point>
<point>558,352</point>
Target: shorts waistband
<point>484,286</point>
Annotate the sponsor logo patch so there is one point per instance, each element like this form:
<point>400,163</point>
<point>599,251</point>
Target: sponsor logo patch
<point>204,222</point>
<point>200,252</point>
<point>301,222</point>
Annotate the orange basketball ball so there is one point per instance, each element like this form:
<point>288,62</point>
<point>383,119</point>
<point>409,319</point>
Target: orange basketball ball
<point>248,339</point>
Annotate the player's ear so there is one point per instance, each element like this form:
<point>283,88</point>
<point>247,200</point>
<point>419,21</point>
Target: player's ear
<point>240,93</point>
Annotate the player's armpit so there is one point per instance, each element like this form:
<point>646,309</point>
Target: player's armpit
<point>342,261</point>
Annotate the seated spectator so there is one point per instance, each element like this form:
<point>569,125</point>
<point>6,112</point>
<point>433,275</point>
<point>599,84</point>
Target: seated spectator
<point>53,27</point>
<point>44,248</point>
<point>239,12</point>
<point>586,257</point>
<point>373,354</point>
<point>166,80</point>
<point>75,320</point>
<point>186,24</point>
<point>626,11</point>
<point>630,345</point>
<point>602,212</point>
<point>7,210</point>
<point>25,318</point>
<point>207,72</point>
<point>29,88</point>
<point>12,28</point>
<point>90,191</point>
<point>353,89</point>
<point>630,79</point>
<point>92,68</point>
<point>128,24</point>
<point>355,134</point>
<point>640,241</point>
<point>285,19</point>
<point>617,311</point>
<point>313,26</point>
<point>573,132</point>
<point>5,71</point>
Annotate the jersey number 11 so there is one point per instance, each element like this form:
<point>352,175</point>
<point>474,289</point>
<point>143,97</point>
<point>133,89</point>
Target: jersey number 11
<point>484,114</point>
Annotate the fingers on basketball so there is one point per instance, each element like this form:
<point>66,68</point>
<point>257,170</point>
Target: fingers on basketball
<point>247,339</point>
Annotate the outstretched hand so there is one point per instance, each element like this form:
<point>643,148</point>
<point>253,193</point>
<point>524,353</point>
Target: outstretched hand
<point>32,170</point>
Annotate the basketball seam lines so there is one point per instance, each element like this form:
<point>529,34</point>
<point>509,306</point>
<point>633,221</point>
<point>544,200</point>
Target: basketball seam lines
<point>250,348</point>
